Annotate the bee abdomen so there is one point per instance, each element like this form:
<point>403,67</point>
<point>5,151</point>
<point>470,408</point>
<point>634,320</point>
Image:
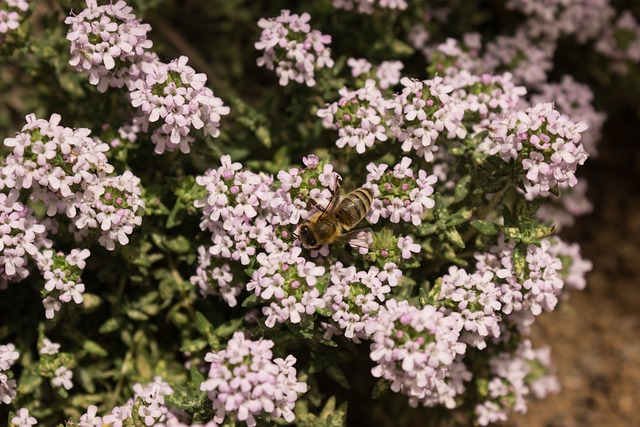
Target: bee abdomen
<point>354,207</point>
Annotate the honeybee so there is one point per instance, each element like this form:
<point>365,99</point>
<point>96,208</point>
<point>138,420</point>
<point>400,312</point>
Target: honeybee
<point>334,223</point>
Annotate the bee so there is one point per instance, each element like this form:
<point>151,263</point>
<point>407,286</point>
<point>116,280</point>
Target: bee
<point>334,223</point>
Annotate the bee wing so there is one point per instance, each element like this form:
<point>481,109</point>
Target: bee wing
<point>335,196</point>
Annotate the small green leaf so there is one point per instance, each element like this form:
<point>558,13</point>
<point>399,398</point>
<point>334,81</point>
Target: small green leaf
<point>94,348</point>
<point>227,329</point>
<point>110,325</point>
<point>379,389</point>
<point>512,233</point>
<point>462,189</point>
<point>177,214</point>
<point>434,292</point>
<point>134,314</point>
<point>525,209</point>
<point>426,229</point>
<point>520,259</point>
<point>194,345</point>
<point>203,325</point>
<point>463,215</point>
<point>454,237</point>
<point>251,301</point>
<point>28,382</point>
<point>179,245</point>
<point>488,228</point>
<point>86,380</point>
<point>509,219</point>
<point>410,263</point>
<point>335,373</point>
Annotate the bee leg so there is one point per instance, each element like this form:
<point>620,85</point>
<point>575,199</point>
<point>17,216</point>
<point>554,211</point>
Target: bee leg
<point>336,185</point>
<point>316,205</point>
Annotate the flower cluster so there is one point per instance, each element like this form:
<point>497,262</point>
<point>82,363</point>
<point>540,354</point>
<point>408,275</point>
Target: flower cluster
<point>514,376</point>
<point>21,236</point>
<point>386,74</point>
<point>544,144</point>
<point>523,293</point>
<point>250,220</point>
<point>8,356</point>
<point>69,172</point>
<point>62,278</point>
<point>245,382</point>
<point>584,19</point>
<point>453,56</point>
<point>292,48</point>
<point>112,203</point>
<point>230,208</point>
<point>359,117</point>
<point>485,97</point>
<point>477,299</point>
<point>108,43</point>
<point>147,407</point>
<point>216,280</point>
<point>529,62</point>
<point>354,298</point>
<point>290,283</point>
<point>417,351</point>
<point>370,6</point>
<point>621,43</point>
<point>576,101</point>
<point>175,102</point>
<point>398,194</point>
<point>421,113</point>
<point>11,13</point>
<point>574,267</point>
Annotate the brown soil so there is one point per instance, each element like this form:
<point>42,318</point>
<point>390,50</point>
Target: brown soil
<point>595,336</point>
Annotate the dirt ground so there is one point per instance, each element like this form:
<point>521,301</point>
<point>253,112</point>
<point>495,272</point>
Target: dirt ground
<point>595,336</point>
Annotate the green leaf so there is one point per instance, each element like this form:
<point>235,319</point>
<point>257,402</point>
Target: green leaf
<point>454,237</point>
<point>94,348</point>
<point>28,382</point>
<point>303,329</point>
<point>227,329</point>
<point>462,216</point>
<point>520,259</point>
<point>110,325</point>
<point>379,389</point>
<point>177,214</point>
<point>512,233</point>
<point>86,380</point>
<point>410,263</point>
<point>193,345</point>
<point>488,228</point>
<point>434,292</point>
<point>203,325</point>
<point>336,374</point>
<point>526,209</point>
<point>250,301</point>
<point>509,219</point>
<point>425,229</point>
<point>462,189</point>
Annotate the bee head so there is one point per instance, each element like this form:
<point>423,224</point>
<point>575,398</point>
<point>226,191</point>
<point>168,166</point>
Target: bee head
<point>306,237</point>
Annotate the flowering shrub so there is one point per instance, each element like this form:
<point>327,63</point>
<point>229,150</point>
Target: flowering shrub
<point>170,203</point>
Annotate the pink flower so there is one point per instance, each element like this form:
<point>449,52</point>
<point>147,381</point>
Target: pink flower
<point>406,245</point>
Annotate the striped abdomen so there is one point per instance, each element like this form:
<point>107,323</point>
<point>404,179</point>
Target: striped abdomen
<point>353,207</point>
